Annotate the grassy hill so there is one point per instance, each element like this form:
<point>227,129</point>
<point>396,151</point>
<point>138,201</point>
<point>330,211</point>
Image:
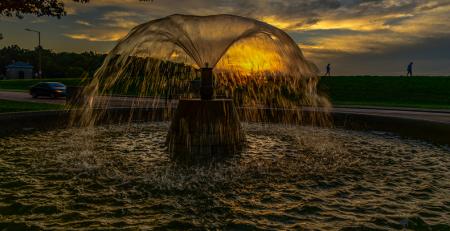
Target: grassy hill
<point>420,92</point>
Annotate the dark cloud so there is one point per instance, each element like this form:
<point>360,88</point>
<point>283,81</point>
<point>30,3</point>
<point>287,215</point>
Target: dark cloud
<point>304,23</point>
<point>301,8</point>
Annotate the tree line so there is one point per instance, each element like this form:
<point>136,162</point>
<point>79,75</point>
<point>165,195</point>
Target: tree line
<point>54,65</point>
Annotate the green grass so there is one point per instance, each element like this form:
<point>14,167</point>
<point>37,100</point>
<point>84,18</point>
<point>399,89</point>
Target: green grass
<point>16,106</point>
<point>416,92</point>
<point>25,84</point>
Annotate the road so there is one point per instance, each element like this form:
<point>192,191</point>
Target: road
<point>25,96</point>
<point>442,116</point>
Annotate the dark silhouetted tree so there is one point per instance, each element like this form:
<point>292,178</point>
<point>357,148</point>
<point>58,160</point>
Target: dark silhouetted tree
<point>36,7</point>
<point>54,65</point>
<point>53,8</point>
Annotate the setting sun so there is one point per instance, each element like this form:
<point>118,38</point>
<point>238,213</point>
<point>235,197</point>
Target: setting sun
<point>252,56</point>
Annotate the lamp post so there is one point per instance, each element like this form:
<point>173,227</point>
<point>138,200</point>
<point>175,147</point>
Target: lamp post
<point>39,50</point>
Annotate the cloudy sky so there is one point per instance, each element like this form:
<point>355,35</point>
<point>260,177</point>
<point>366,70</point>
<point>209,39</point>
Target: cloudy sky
<point>358,37</point>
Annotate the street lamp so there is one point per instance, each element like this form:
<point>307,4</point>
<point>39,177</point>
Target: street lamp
<point>39,50</point>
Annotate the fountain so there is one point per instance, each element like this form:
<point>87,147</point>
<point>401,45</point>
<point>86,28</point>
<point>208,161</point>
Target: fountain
<point>113,171</point>
<point>230,53</point>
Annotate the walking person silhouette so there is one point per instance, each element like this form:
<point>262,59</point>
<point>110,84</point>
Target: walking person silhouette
<point>409,69</point>
<point>328,70</point>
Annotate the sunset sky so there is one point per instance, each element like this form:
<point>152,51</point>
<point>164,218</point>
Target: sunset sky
<point>358,37</point>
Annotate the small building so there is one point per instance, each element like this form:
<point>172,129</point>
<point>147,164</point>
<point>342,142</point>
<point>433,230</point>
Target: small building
<point>19,70</point>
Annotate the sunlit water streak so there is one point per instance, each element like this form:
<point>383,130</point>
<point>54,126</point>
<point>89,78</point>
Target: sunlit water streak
<point>286,178</point>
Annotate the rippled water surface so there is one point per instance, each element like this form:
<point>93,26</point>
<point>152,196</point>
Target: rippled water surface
<point>287,178</point>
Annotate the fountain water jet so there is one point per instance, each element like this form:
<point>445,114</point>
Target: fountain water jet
<point>254,63</point>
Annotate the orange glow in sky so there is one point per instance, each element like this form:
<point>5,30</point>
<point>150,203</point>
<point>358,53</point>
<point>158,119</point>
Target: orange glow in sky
<point>251,56</point>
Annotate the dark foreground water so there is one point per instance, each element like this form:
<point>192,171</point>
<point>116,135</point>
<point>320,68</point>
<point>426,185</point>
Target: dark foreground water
<point>120,177</point>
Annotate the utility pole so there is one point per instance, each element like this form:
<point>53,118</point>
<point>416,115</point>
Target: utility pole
<point>39,50</point>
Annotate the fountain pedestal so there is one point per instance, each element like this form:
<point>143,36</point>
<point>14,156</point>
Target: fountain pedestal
<point>207,88</point>
<point>205,129</point>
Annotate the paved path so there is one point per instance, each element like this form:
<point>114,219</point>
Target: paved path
<point>25,96</point>
<point>101,101</point>
<point>442,116</point>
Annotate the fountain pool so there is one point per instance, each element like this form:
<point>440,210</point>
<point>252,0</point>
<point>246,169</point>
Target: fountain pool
<point>287,177</point>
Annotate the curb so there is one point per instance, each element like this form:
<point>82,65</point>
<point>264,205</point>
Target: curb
<point>431,131</point>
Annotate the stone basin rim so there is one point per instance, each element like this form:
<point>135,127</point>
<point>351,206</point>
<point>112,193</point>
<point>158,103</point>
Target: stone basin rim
<point>432,131</point>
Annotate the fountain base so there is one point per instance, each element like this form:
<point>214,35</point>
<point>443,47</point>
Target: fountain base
<point>205,129</point>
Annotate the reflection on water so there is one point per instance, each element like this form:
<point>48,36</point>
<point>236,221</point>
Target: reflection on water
<point>287,178</point>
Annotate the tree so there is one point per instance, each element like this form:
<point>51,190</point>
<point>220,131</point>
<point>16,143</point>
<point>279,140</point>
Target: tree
<point>54,65</point>
<point>37,7</point>
<point>18,8</point>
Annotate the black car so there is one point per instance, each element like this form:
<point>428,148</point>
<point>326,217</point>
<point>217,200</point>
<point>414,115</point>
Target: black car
<point>51,89</point>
